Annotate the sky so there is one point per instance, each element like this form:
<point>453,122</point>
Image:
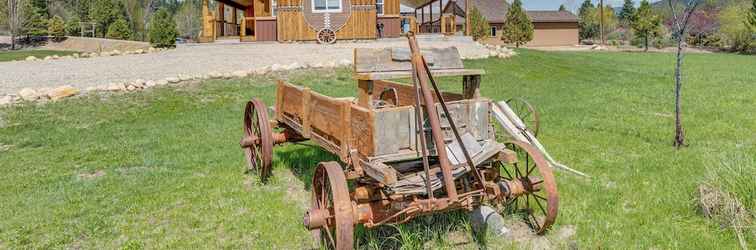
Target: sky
<point>570,4</point>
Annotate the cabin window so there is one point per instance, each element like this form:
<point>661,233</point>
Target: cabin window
<point>326,5</point>
<point>273,7</point>
<point>379,7</point>
<point>493,30</point>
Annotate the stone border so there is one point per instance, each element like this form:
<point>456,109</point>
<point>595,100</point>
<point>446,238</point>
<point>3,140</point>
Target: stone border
<point>95,54</point>
<point>44,95</point>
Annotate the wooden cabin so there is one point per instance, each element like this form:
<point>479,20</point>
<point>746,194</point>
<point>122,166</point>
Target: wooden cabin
<point>299,20</point>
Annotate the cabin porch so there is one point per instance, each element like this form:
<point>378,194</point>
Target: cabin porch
<point>242,20</point>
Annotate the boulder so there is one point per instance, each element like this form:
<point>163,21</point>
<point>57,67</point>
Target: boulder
<point>262,71</point>
<point>116,87</point>
<point>295,66</point>
<point>48,58</point>
<point>215,75</point>
<point>316,65</point>
<point>330,64</point>
<point>75,55</point>
<point>62,92</point>
<point>227,75</point>
<point>276,67</point>
<point>6,100</point>
<point>150,84</point>
<point>115,53</point>
<point>139,82</point>
<point>131,87</point>
<point>239,73</point>
<point>28,94</point>
<point>161,82</point>
<point>139,51</point>
<point>31,58</point>
<point>173,79</point>
<point>184,78</point>
<point>345,62</point>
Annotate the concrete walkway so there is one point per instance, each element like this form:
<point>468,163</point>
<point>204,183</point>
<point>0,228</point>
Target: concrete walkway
<point>197,59</point>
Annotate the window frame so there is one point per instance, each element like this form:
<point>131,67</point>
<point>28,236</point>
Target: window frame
<point>273,8</point>
<point>493,32</point>
<point>382,8</point>
<point>327,10</point>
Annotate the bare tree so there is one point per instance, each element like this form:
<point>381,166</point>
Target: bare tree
<point>679,29</point>
<point>15,19</point>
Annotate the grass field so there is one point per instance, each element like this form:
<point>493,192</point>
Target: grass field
<point>163,169</point>
<point>23,54</point>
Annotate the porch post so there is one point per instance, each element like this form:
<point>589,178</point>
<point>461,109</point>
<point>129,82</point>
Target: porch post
<point>468,29</point>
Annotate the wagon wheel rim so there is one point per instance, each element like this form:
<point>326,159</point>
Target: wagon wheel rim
<point>326,36</point>
<point>330,193</point>
<point>256,125</point>
<point>527,113</point>
<point>539,205</point>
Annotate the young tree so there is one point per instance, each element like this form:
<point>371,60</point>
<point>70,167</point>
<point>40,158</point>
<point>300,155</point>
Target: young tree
<point>479,25</point>
<point>679,28</point>
<point>163,30</point>
<point>189,19</point>
<point>103,12</point>
<point>35,24</point>
<point>752,17</point>
<point>646,24</point>
<point>56,27</point>
<point>627,14</point>
<point>517,29</point>
<point>562,8</point>
<point>588,22</point>
<point>15,19</point>
<point>119,29</point>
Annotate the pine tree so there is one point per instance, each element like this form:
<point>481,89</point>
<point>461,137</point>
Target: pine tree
<point>56,27</point>
<point>562,8</point>
<point>479,25</point>
<point>518,28</point>
<point>646,24</point>
<point>163,31</point>
<point>35,24</point>
<point>119,29</point>
<point>627,13</point>
<point>104,13</point>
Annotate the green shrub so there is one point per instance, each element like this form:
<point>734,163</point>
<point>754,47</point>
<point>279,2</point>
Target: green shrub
<point>73,28</point>
<point>119,30</point>
<point>56,27</point>
<point>163,30</point>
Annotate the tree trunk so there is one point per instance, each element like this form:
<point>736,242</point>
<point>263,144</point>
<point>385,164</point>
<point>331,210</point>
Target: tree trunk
<point>679,133</point>
<point>13,41</point>
<point>645,43</point>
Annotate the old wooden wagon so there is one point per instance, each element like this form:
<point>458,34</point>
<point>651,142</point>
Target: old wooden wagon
<point>406,149</point>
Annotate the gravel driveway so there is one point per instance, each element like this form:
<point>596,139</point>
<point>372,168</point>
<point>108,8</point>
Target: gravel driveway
<point>196,59</point>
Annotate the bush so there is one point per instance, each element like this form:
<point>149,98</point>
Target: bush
<point>73,27</point>
<point>56,27</point>
<point>119,30</point>
<point>163,31</point>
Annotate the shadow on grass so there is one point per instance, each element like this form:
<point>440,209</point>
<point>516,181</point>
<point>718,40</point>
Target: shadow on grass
<point>301,159</point>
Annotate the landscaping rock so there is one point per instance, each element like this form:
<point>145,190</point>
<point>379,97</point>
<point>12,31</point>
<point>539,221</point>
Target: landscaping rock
<point>139,51</point>
<point>28,94</point>
<point>150,84</point>
<point>295,66</point>
<point>62,92</point>
<point>345,62</point>
<point>131,87</point>
<point>6,100</point>
<point>161,82</point>
<point>240,74</point>
<point>75,55</point>
<point>48,58</point>
<point>330,64</point>
<point>31,58</point>
<point>173,80</point>
<point>262,71</point>
<point>184,78</point>
<point>227,75</point>
<point>115,53</point>
<point>276,67</point>
<point>116,87</point>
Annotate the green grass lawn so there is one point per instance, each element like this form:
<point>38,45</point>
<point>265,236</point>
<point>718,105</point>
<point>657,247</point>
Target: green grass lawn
<point>163,169</point>
<point>23,54</point>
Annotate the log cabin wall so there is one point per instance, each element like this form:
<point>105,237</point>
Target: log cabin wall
<point>292,24</point>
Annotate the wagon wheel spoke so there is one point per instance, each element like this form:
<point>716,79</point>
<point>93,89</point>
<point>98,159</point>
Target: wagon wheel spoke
<point>527,113</point>
<point>330,195</point>
<point>256,125</point>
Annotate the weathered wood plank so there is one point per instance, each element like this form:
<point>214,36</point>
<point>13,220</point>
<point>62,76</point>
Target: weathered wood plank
<point>380,172</point>
<point>407,74</point>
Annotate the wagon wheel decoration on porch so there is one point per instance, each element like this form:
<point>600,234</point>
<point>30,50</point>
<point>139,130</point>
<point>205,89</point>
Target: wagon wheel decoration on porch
<point>531,183</point>
<point>326,36</point>
<point>257,142</point>
<point>527,113</point>
<point>330,216</point>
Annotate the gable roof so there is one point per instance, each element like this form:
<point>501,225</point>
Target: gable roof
<point>552,16</point>
<point>495,11</point>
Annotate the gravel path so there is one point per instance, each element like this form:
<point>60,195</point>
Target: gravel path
<point>195,59</point>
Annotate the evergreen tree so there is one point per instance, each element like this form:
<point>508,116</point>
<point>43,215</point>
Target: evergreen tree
<point>40,7</point>
<point>480,26</point>
<point>627,13</point>
<point>518,28</point>
<point>56,27</point>
<point>104,13</point>
<point>35,24</point>
<point>588,22</point>
<point>163,31</point>
<point>119,29</point>
<point>562,8</point>
<point>646,24</point>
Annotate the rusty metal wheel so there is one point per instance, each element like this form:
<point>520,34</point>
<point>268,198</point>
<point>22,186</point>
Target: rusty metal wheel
<point>257,142</point>
<point>527,113</point>
<point>330,216</point>
<point>532,187</point>
<point>327,36</point>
